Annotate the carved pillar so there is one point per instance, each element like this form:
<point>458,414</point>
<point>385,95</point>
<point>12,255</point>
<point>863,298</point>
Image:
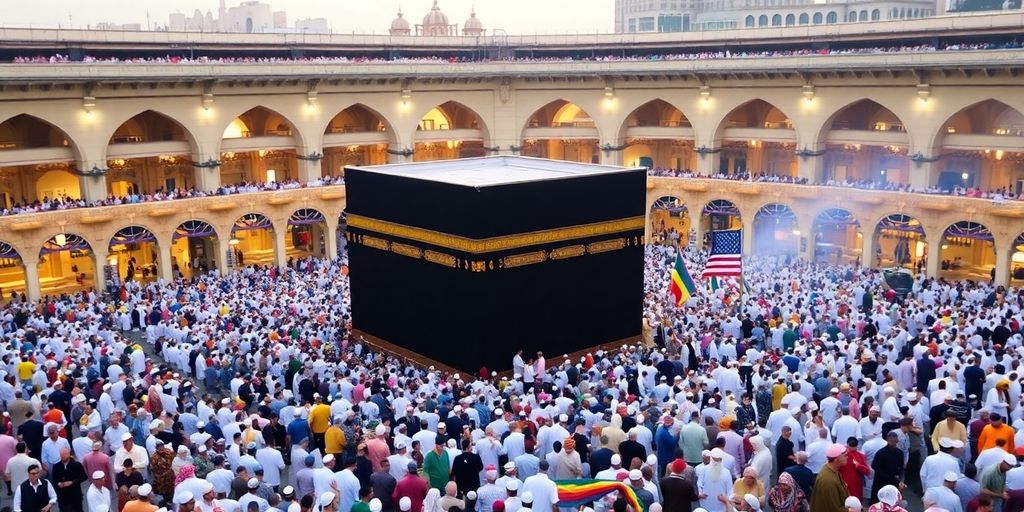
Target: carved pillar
<point>207,173</point>
<point>309,166</point>
<point>1003,263</point>
<point>280,251</point>
<point>32,287</point>
<point>331,238</point>
<point>164,261</point>
<point>867,253</point>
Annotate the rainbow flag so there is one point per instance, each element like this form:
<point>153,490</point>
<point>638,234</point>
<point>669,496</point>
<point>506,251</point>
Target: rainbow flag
<point>573,493</point>
<point>681,284</point>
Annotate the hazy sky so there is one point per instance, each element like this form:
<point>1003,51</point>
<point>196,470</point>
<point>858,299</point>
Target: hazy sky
<point>345,16</point>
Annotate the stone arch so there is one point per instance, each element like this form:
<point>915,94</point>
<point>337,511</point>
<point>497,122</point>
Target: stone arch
<point>546,115</point>
<point>12,270</point>
<point>458,115</point>
<point>826,126</point>
<point>776,229</point>
<point>57,262</point>
<point>967,250</point>
<point>185,130</point>
<point>261,126</point>
<point>72,143</point>
<point>902,229</point>
<point>962,117</point>
<point>657,134</point>
<point>388,125</point>
<point>131,236</point>
<point>670,116</point>
<point>837,235</point>
<point>763,114</point>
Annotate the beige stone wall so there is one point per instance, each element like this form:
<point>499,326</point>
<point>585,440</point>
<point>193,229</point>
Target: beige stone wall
<point>609,93</point>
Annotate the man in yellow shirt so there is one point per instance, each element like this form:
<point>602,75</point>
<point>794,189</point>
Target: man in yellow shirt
<point>26,368</point>
<point>950,428</point>
<point>319,421</point>
<point>334,439</point>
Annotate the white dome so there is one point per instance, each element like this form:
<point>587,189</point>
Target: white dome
<point>435,18</point>
<point>400,24</point>
<point>473,23</point>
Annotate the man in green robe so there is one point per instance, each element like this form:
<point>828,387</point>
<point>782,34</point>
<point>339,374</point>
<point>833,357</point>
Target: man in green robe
<point>829,494</point>
<point>436,465</point>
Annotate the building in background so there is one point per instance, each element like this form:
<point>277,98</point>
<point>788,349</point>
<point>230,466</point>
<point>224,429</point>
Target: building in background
<point>435,23</point>
<point>251,16</point>
<point>699,15</point>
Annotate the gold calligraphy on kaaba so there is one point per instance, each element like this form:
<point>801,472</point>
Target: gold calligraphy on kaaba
<point>406,250</point>
<point>440,258</point>
<point>500,243</point>
<point>519,260</point>
<point>571,251</point>
<point>606,246</point>
<point>376,243</point>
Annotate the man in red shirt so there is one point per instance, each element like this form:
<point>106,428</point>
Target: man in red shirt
<point>855,469</point>
<point>411,486</point>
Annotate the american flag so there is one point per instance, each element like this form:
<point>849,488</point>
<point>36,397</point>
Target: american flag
<point>724,260</point>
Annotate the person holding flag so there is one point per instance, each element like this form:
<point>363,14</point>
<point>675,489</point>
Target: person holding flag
<point>681,284</point>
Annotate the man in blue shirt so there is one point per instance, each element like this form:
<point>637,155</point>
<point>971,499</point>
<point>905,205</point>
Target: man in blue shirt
<point>665,444</point>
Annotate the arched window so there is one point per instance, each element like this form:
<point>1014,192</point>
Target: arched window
<point>863,15</point>
<point>749,21</point>
<point>851,17</point>
<point>762,20</point>
<point>777,20</point>
<point>790,20</point>
<point>876,15</point>
<point>817,18</point>
<point>804,19</point>
<point>894,14</point>
<point>832,17</point>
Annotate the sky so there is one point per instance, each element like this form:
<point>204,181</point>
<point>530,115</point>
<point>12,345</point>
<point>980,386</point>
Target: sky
<point>344,16</point>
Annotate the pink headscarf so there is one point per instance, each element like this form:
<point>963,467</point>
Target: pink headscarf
<point>187,471</point>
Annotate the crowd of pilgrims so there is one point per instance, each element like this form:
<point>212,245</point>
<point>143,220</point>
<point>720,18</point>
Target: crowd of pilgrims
<point>805,388</point>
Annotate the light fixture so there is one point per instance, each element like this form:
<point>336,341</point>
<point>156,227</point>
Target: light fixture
<point>609,92</point>
<point>89,103</point>
<point>233,241</point>
<point>60,239</point>
<point>207,100</point>
<point>406,96</point>
<point>796,232</point>
<point>311,98</point>
<point>705,92</point>
<point>808,92</point>
<point>964,176</point>
<point>924,91</point>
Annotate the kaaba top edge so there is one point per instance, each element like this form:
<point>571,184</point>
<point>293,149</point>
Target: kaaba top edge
<point>493,170</point>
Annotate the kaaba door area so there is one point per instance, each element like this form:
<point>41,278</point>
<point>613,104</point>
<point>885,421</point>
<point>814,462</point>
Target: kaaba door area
<point>463,262</point>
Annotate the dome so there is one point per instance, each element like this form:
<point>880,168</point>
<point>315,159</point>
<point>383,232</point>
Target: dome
<point>400,26</point>
<point>473,27</point>
<point>435,18</point>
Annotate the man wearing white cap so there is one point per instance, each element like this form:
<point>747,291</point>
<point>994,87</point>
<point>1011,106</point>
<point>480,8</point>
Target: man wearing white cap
<point>184,500</point>
<point>937,465</point>
<point>714,481</point>
<point>144,503</point>
<point>853,504</point>
<point>273,463</point>
<point>97,495</point>
<point>328,502</point>
<point>399,462</point>
<point>993,480</point>
<point>251,497</point>
<point>944,495</point>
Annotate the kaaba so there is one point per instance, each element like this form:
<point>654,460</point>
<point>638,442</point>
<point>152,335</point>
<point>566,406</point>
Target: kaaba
<point>463,262</point>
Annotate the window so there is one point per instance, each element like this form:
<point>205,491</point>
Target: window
<point>645,24</point>
<point>804,19</point>
<point>790,20</point>
<point>832,17</point>
<point>876,15</point>
<point>777,20</point>
<point>817,18</point>
<point>894,14</point>
<point>749,22</point>
<point>762,20</point>
<point>670,23</point>
<point>632,24</point>
<point>863,16</point>
<point>851,17</point>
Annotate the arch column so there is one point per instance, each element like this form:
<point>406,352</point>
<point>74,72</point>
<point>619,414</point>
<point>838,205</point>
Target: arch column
<point>1004,254</point>
<point>100,255</point>
<point>309,166</point>
<point>698,228</point>
<point>934,262</point>
<point>32,288</point>
<point>923,174</point>
<point>867,253</point>
<point>164,260</point>
<point>207,175</point>
<point>93,186</point>
<point>331,237</point>
<point>748,234</point>
<point>810,167</point>
<point>611,157</point>
<point>706,163</point>
<point>280,253</point>
<point>222,253</point>
<point>397,154</point>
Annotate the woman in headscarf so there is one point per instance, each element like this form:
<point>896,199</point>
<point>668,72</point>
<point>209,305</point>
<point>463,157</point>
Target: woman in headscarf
<point>432,503</point>
<point>187,471</point>
<point>181,459</point>
<point>762,459</point>
<point>787,496</point>
<point>889,500</point>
